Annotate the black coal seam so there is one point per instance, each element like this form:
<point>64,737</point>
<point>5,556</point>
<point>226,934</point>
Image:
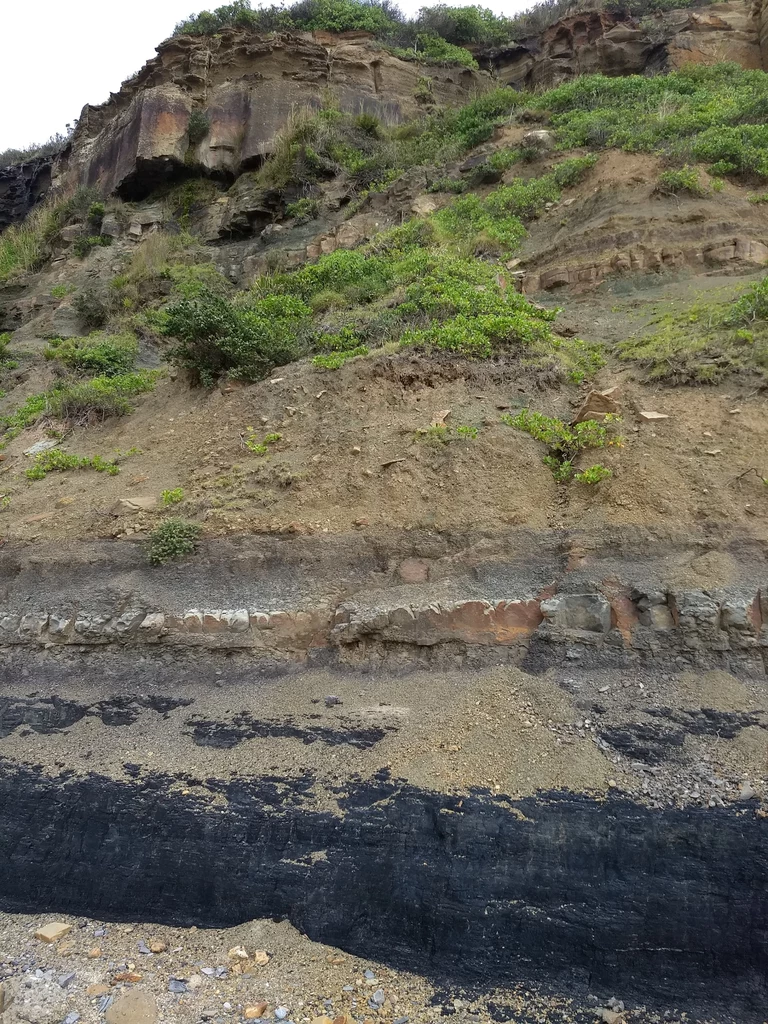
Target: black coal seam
<point>52,714</point>
<point>654,743</point>
<point>225,735</point>
<point>560,889</point>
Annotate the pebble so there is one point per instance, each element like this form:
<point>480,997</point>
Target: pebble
<point>281,1012</point>
<point>378,997</point>
<point>71,1018</point>
<point>370,975</point>
<point>261,957</point>
<point>144,948</point>
<point>65,979</point>
<point>156,946</point>
<point>177,985</point>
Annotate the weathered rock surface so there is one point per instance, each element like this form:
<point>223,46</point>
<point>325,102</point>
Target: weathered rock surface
<point>21,187</point>
<point>247,86</point>
<point>601,41</point>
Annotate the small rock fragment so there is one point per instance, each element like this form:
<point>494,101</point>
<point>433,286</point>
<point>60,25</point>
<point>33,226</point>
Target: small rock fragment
<point>156,946</point>
<point>261,956</point>
<point>378,997</point>
<point>53,932</point>
<point>71,1018</point>
<point>747,791</point>
<point>649,416</point>
<point>238,953</point>
<point>281,1012</point>
<point>96,990</point>
<point>65,979</point>
<point>131,977</point>
<point>177,985</point>
<point>94,953</point>
<point>143,947</point>
<point>134,1006</point>
<point>369,974</point>
<point>255,1011</point>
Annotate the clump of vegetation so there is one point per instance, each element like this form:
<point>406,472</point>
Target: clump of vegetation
<point>80,402</point>
<point>82,246</point>
<point>339,348</point>
<point>92,401</point>
<point>57,461</point>
<point>54,145</point>
<point>682,180</point>
<point>60,291</point>
<point>103,354</point>
<point>303,210</point>
<point>445,433</point>
<point>701,114</point>
<point>173,496</point>
<point>251,441</point>
<point>566,442</point>
<point>198,126</point>
<point>707,341</point>
<point>247,340</point>
<point>172,539</point>
<point>433,49</point>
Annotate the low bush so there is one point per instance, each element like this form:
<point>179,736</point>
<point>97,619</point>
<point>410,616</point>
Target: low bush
<point>677,182</point>
<point>102,354</point>
<point>216,337</point>
<point>172,539</point>
<point>82,246</point>
<point>94,400</point>
<point>433,49</point>
<point>59,462</point>
<point>198,126</point>
<point>303,210</point>
<point>566,442</point>
<point>173,496</point>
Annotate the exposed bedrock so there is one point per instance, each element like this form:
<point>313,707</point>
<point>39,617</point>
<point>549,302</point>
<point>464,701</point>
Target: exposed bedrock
<point>561,889</point>
<point>21,187</point>
<point>609,43</point>
<point>246,88</point>
<point>515,596</point>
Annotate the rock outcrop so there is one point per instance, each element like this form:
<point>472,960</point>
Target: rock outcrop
<point>600,41</point>
<point>244,89</point>
<point>21,187</point>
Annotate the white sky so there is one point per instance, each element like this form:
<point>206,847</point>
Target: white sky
<point>59,55</point>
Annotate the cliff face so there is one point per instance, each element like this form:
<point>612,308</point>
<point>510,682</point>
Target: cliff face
<point>599,41</point>
<point>245,88</point>
<point>21,186</point>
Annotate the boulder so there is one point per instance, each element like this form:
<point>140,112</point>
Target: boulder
<point>590,612</point>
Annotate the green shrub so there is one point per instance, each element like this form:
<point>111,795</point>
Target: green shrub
<point>303,210</point>
<point>198,127</point>
<point>59,291</point>
<point>82,246</point>
<point>58,461</point>
<point>172,497</point>
<point>566,442</point>
<point>97,399</point>
<point>593,474</point>
<point>433,49</point>
<point>676,182</point>
<point>216,337</point>
<point>103,354</point>
<point>172,539</point>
